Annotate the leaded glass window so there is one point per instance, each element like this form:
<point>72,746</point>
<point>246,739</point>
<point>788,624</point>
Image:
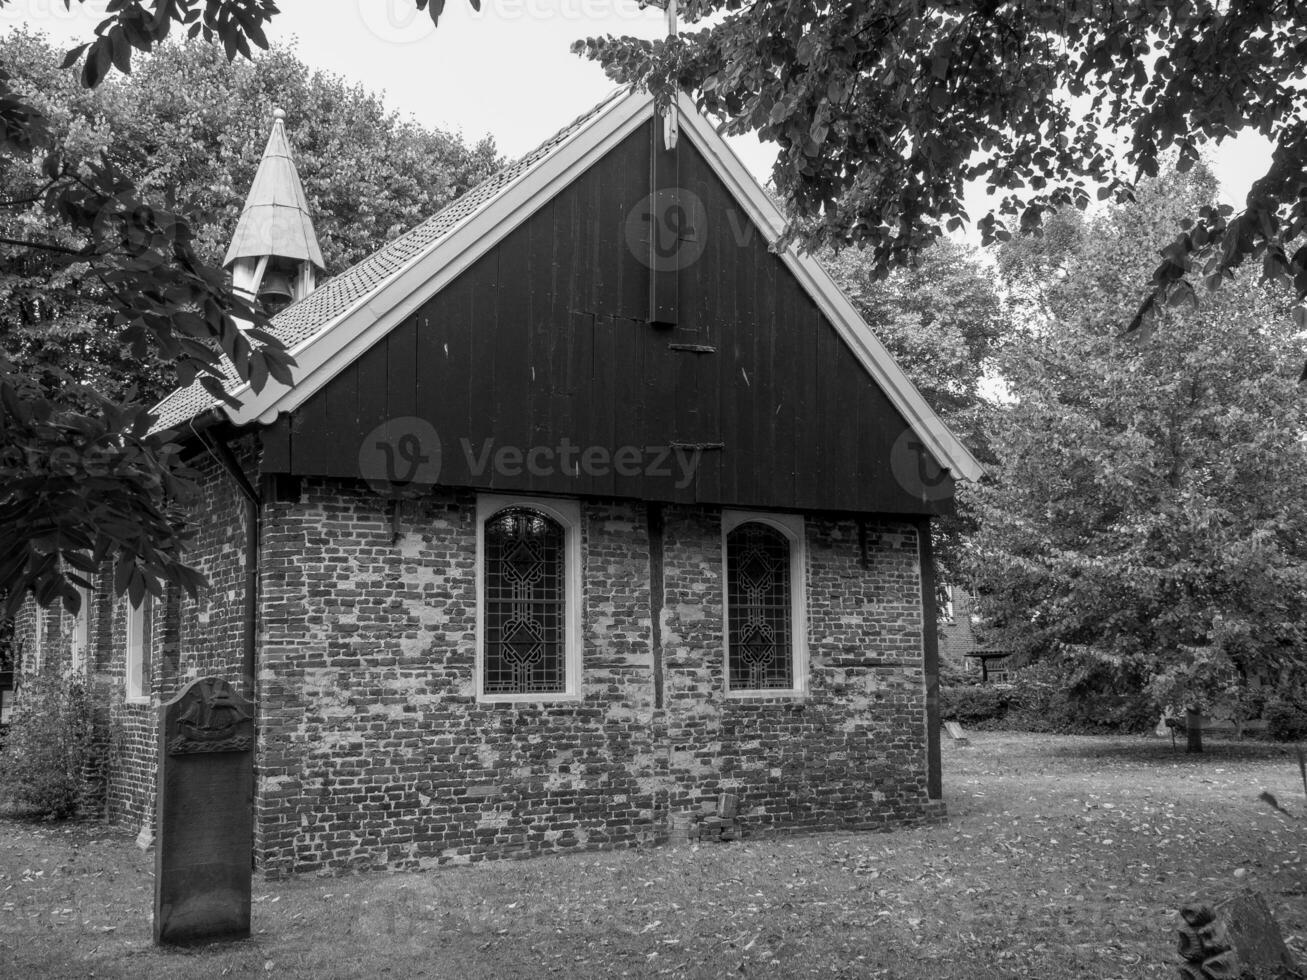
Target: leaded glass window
<point>760,649</point>
<point>525,608</point>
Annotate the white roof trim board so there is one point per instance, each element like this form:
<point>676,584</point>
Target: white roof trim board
<point>346,334</point>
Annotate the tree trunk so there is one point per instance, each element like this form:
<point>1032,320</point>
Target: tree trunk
<point>1193,727</point>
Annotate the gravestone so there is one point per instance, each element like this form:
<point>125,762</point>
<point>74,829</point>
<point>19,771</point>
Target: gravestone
<point>205,815</point>
<point>956,733</point>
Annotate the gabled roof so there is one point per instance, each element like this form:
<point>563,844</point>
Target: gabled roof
<point>331,327</point>
<point>275,220</point>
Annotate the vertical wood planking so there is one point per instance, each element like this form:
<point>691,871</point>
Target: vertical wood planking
<point>808,480</point>
<point>546,338</point>
<point>512,421</point>
<point>603,427</point>
<point>342,417</point>
<point>483,346</point>
<point>370,397</point>
<point>627,189</point>
<point>275,443</point>
<point>566,296</point>
<point>667,208</point>
<point>402,369</point>
<point>787,389</point>
<point>583,405</point>
<point>445,357</point>
<point>310,450</point>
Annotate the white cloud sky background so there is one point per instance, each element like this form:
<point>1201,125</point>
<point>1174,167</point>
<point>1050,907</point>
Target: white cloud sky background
<point>506,71</point>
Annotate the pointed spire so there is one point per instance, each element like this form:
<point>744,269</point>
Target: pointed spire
<point>275,223</point>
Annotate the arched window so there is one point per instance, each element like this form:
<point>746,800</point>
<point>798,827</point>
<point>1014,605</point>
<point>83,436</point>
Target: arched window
<point>765,622</point>
<point>525,603</point>
<point>139,630</point>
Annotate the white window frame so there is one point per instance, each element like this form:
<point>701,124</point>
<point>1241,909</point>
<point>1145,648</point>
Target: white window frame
<point>138,635</point>
<point>79,645</point>
<point>568,514</point>
<point>792,527</point>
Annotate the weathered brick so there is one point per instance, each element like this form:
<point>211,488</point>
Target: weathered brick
<point>373,750</point>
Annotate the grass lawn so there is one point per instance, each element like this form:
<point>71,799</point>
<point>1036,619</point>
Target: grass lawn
<point>1062,858</point>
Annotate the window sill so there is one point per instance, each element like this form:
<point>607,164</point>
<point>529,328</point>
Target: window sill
<point>138,700</point>
<point>560,698</point>
<point>789,692</point>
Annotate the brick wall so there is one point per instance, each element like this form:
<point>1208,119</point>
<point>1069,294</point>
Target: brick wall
<point>189,638</point>
<point>375,752</point>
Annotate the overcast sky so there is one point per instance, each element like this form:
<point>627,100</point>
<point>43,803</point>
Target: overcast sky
<point>505,71</point>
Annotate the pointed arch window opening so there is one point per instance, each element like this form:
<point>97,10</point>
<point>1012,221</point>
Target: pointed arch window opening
<point>525,595</point>
<point>764,592</point>
<point>529,599</point>
<point>758,580</point>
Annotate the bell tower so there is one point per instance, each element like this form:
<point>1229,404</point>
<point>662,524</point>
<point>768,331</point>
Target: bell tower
<point>274,253</point>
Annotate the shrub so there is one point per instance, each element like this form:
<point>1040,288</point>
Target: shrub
<point>953,674</point>
<point>977,706</point>
<point>48,748</point>
<point>1285,720</point>
<point>1067,696</point>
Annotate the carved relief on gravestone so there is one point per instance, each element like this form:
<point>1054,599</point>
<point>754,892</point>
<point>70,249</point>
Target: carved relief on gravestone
<point>210,720</point>
<point>205,815</point>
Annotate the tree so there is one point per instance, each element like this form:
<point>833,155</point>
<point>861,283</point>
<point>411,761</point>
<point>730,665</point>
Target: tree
<point>884,111</point>
<point>190,125</point>
<point>103,273</point>
<point>943,321</point>
<point>1146,510</point>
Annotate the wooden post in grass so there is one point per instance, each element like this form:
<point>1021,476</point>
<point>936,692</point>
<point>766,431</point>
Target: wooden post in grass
<point>204,815</point>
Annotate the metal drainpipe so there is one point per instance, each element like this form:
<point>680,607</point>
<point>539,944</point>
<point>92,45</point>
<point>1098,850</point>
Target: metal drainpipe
<point>221,452</point>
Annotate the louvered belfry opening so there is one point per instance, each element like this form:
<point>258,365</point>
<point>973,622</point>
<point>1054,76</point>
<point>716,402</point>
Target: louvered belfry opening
<point>525,592</point>
<point>758,593</point>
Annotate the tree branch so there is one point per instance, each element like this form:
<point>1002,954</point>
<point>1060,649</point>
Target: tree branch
<point>19,243</point>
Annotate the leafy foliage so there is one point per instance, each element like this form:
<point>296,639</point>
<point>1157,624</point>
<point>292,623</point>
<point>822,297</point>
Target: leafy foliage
<point>117,204</point>
<point>884,112</point>
<point>1286,720</point>
<point>49,745</point>
<point>189,126</point>
<point>943,320</point>
<point>974,705</point>
<point>1076,696</point>
<point>1146,512</point>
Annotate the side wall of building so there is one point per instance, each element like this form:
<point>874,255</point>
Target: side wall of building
<point>376,752</point>
<point>185,638</point>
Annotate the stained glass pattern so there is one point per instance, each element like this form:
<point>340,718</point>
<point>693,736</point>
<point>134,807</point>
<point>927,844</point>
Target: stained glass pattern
<point>758,590</point>
<point>525,611</point>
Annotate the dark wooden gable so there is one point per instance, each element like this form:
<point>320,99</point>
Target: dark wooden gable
<point>548,337</point>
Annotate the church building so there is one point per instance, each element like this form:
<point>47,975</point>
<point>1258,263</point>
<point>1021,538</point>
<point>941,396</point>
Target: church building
<point>588,511</point>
